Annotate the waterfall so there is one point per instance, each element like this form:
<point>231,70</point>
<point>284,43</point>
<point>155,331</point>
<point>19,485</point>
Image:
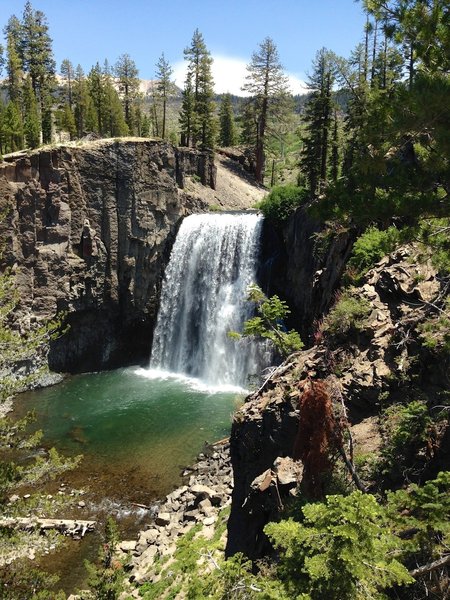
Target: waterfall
<point>213,261</point>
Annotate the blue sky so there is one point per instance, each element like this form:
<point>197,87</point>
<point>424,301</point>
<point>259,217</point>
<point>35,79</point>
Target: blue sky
<point>89,30</point>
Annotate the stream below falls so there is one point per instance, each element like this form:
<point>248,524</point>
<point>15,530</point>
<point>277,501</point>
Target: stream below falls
<point>137,430</point>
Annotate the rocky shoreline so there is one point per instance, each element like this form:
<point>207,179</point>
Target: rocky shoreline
<point>207,490</point>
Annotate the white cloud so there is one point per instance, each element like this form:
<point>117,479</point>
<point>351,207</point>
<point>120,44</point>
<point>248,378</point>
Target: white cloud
<point>229,76</point>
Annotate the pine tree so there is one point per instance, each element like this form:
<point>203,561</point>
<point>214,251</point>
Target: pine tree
<point>37,48</point>
<point>68,121</point>
<point>187,113</point>
<point>81,99</point>
<point>13,69</point>
<point>165,87</point>
<point>145,126</point>
<point>421,28</point>
<point>12,127</point>
<point>113,120</point>
<point>197,117</point>
<point>68,74</point>
<point>32,125</point>
<point>227,135</point>
<point>318,115</point>
<point>268,86</point>
<point>38,62</point>
<point>97,95</point>
<point>127,76</point>
<point>248,120</point>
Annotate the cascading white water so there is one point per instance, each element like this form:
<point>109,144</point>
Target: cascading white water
<point>203,298</point>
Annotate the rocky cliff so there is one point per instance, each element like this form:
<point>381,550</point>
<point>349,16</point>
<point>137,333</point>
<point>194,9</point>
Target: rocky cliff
<point>88,232</point>
<point>303,263</point>
<point>390,356</point>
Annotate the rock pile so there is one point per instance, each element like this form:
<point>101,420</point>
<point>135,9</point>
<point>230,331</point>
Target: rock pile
<point>207,490</point>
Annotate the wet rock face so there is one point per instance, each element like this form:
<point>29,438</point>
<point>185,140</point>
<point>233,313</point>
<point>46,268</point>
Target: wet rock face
<point>89,231</point>
<point>304,267</point>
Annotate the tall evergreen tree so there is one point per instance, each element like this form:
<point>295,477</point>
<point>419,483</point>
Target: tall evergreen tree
<point>318,116</point>
<point>227,135</point>
<point>32,124</point>
<point>38,62</point>
<point>197,117</point>
<point>268,86</point>
<point>12,128</point>
<point>97,95</point>
<point>165,88</point>
<point>82,101</point>
<point>248,120</point>
<point>127,76</point>
<point>37,48</point>
<point>14,70</point>
<point>187,112</point>
<point>68,73</point>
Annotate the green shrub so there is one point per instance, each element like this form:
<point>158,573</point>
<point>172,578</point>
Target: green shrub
<point>435,236</point>
<point>369,248</point>
<point>423,511</point>
<point>406,431</point>
<point>268,323</point>
<point>282,201</point>
<point>342,550</point>
<point>435,332</point>
<point>349,314</point>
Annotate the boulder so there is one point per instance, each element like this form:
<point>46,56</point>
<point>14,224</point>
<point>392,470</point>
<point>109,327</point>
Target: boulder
<point>163,519</point>
<point>128,545</point>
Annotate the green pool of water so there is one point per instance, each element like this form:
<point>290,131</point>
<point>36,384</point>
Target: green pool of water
<point>135,430</point>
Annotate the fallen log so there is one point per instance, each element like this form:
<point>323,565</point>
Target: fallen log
<point>73,527</point>
<point>437,564</point>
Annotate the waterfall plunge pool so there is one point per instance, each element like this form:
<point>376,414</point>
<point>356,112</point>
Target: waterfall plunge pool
<point>136,429</point>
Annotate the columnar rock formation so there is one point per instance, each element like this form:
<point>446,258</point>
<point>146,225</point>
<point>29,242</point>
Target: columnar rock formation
<point>88,232</point>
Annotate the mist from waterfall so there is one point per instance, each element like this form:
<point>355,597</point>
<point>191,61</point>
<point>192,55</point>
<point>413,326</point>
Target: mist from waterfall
<point>203,298</point>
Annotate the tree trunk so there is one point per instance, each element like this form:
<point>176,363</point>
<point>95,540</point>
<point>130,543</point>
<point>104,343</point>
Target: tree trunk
<point>260,157</point>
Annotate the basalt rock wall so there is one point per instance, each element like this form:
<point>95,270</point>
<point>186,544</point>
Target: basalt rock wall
<point>303,263</point>
<point>88,233</point>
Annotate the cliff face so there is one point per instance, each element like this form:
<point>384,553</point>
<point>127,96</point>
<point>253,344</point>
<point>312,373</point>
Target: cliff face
<point>88,232</point>
<point>387,360</point>
<point>304,266</point>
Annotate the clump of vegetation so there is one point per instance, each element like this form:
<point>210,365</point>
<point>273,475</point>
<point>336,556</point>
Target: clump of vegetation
<point>434,235</point>
<point>215,208</point>
<point>353,547</point>
<point>349,314</point>
<point>435,331</point>
<point>106,579</point>
<point>198,568</point>
<point>282,201</point>
<point>268,324</point>
<point>23,582</point>
<point>423,512</point>
<point>368,249</point>
<point>342,549</point>
<point>407,430</point>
